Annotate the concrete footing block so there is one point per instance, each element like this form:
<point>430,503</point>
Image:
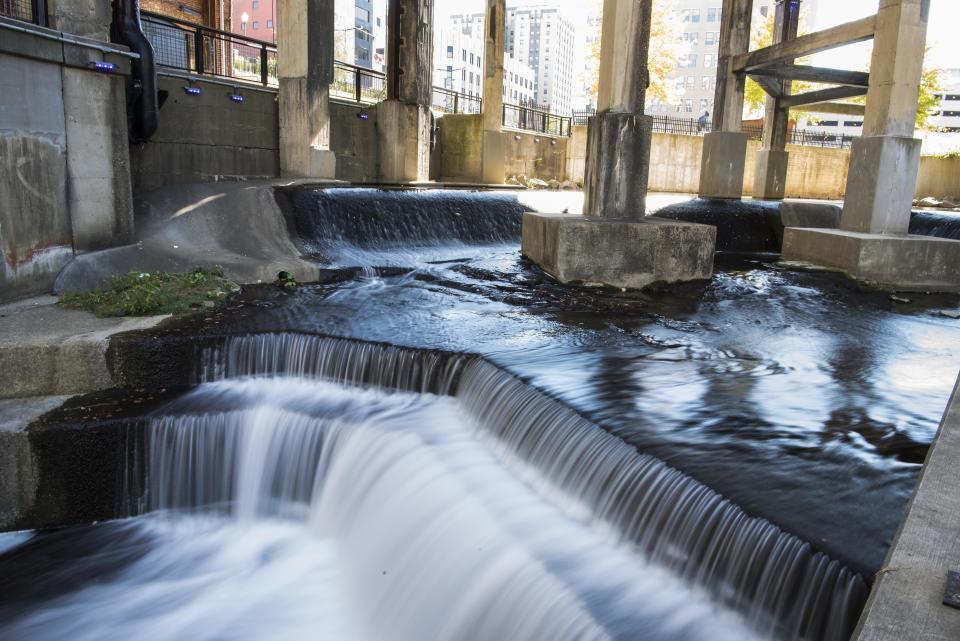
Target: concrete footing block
<point>722,164</point>
<point>880,186</point>
<point>625,253</point>
<point>895,261</point>
<point>323,163</point>
<point>493,164</point>
<point>403,139</point>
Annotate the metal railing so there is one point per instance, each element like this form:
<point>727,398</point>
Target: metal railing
<point>453,102</point>
<point>206,51</point>
<point>754,131</point>
<point>582,116</point>
<point>358,84</point>
<point>536,120</point>
<point>34,11</point>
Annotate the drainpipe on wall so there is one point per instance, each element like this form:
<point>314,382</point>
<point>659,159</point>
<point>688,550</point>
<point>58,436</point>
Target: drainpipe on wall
<point>144,105</point>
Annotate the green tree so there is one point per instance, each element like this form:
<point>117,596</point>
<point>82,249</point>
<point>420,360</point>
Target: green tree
<point>662,59</point>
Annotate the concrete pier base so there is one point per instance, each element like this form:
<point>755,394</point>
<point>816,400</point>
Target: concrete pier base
<point>493,162</point>
<point>722,165</point>
<point>403,139</point>
<point>883,175</point>
<point>770,177</point>
<point>625,253</point>
<point>897,261</point>
<point>618,165</point>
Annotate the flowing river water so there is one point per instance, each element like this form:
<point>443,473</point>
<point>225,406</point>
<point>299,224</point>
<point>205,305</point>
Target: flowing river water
<point>500,458</point>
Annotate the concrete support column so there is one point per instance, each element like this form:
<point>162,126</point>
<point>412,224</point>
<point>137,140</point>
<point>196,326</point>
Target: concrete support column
<point>884,163</point>
<point>725,148</point>
<point>404,120</point>
<point>618,137</point>
<point>770,177</point>
<point>493,163</point>
<point>305,68</point>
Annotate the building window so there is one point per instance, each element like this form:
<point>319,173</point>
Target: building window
<point>688,106</point>
<point>708,60</point>
<point>269,24</point>
<point>705,83</point>
<point>691,82</point>
<point>710,38</point>
<point>256,25</point>
<point>449,52</point>
<point>694,15</point>
<point>255,5</point>
<point>712,14</point>
<point>764,11</point>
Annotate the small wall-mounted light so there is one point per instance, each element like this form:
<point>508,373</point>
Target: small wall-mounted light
<point>236,97</point>
<point>516,137</point>
<point>101,65</point>
<point>191,90</point>
<point>553,142</point>
<point>363,114</point>
<point>536,140</point>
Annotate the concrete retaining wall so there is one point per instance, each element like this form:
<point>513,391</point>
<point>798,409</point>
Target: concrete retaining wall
<point>209,137</point>
<point>533,155</point>
<point>64,167</point>
<point>814,172</point>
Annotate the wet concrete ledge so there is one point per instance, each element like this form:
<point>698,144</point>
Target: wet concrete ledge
<point>907,598</point>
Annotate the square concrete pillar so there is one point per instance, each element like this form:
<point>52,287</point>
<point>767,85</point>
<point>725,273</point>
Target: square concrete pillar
<point>493,163</point>
<point>880,184</point>
<point>403,140</point>
<point>305,70</point>
<point>722,164</point>
<point>617,165</point>
<point>770,177</point>
<point>98,160</point>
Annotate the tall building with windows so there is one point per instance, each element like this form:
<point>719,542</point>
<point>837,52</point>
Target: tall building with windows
<point>695,79</point>
<point>458,64</point>
<point>543,38</point>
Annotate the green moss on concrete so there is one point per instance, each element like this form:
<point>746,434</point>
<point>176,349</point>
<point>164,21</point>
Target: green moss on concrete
<point>143,294</point>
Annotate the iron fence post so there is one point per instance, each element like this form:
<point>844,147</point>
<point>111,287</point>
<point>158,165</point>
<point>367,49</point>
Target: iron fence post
<point>198,51</point>
<point>40,13</point>
<point>357,85</point>
<point>456,101</point>
<point>264,72</point>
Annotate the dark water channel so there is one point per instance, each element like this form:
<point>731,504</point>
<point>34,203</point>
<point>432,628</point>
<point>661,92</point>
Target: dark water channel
<point>487,513</point>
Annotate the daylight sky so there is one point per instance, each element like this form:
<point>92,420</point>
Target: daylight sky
<point>942,37</point>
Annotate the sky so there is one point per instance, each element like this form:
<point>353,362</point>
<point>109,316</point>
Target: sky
<point>941,37</point>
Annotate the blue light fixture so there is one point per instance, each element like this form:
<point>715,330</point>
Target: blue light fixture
<point>100,65</point>
<point>363,114</point>
<point>190,90</point>
<point>236,97</point>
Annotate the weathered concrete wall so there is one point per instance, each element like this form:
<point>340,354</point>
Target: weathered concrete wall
<point>64,168</point>
<point>939,177</point>
<point>533,155</point>
<point>577,153</point>
<point>354,140</point>
<point>209,137</point>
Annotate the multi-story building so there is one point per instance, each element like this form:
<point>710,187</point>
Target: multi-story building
<point>695,79</point>
<point>255,18</point>
<point>458,64</point>
<point>543,38</point>
<point>947,117</point>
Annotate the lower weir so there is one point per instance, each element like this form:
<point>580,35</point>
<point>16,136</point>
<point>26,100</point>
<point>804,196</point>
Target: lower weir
<point>447,485</point>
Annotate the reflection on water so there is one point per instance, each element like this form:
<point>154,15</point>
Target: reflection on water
<point>802,398</point>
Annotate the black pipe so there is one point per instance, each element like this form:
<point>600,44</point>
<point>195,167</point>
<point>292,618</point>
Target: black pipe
<point>127,30</point>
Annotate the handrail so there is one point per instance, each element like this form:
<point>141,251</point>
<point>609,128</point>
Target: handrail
<point>195,25</point>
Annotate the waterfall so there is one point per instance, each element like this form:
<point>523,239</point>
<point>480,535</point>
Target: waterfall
<point>615,542</point>
<point>940,224</point>
<point>349,226</point>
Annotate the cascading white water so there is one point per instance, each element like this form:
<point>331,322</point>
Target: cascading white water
<point>779,581</point>
<point>305,508</point>
<point>433,537</point>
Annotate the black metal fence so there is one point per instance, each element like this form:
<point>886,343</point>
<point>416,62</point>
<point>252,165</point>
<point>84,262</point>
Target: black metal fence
<point>358,84</point>
<point>454,102</point>
<point>206,51</point>
<point>536,120</point>
<point>34,11</point>
<point>754,131</point>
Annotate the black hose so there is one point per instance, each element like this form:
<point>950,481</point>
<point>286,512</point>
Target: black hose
<point>127,30</point>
